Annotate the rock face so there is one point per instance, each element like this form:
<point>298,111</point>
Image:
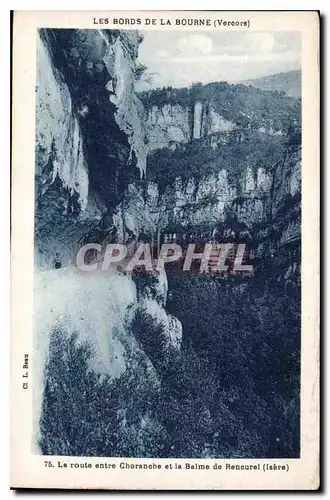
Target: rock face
<point>167,126</point>
<point>172,124</point>
<point>58,136</point>
<point>256,204</point>
<point>202,201</point>
<point>90,144</point>
<point>175,116</point>
<point>223,167</point>
<point>119,61</point>
<point>127,330</point>
<point>81,169</point>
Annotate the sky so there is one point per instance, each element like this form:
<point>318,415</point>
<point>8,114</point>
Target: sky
<point>179,58</point>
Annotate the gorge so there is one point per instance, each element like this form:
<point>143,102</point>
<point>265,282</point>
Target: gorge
<point>162,364</point>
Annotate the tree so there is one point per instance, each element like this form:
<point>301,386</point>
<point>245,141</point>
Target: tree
<point>139,70</point>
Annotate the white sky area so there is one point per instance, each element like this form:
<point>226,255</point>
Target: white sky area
<point>179,58</point>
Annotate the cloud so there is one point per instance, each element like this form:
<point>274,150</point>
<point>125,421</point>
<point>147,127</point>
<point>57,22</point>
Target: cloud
<point>162,54</point>
<point>261,42</point>
<point>194,44</point>
<point>180,58</point>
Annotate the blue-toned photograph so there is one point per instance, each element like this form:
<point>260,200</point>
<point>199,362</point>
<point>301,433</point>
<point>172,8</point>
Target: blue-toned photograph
<point>167,236</point>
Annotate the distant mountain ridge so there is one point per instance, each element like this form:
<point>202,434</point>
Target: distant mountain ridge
<point>289,82</point>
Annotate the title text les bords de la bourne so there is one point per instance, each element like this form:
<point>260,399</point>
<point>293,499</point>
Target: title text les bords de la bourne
<point>189,22</point>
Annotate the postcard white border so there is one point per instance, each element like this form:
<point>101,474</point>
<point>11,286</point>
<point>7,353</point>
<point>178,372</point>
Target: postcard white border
<point>27,470</point>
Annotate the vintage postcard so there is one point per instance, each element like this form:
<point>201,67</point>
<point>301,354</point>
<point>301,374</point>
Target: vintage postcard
<point>165,250</point>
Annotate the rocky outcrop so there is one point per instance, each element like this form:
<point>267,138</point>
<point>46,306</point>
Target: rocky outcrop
<point>216,177</point>
<point>58,136</point>
<point>119,61</point>
<point>239,205</point>
<point>167,126</point>
<point>171,124</point>
<point>128,333</point>
<point>198,202</point>
<point>176,116</point>
<point>85,77</point>
<point>90,145</point>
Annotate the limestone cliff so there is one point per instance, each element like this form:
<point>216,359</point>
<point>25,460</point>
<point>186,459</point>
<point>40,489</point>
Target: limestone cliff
<point>90,143</point>
<point>176,116</point>
<point>171,124</point>
<point>258,203</point>
<point>219,164</point>
<point>83,77</point>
